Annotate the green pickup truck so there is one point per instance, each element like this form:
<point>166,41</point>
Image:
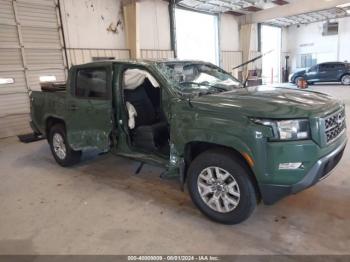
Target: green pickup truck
<point>232,145</point>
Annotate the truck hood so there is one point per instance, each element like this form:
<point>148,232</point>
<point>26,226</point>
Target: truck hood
<point>269,102</point>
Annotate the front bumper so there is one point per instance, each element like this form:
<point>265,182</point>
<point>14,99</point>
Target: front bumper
<point>271,193</point>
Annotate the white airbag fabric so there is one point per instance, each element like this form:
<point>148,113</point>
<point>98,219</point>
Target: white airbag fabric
<point>132,113</point>
<point>135,77</point>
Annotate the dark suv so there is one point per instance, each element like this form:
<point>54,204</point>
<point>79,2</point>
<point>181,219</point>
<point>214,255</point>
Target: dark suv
<point>325,72</point>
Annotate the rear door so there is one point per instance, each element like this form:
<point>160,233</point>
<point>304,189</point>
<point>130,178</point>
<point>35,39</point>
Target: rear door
<point>340,69</point>
<point>323,72</point>
<point>329,72</point>
<point>90,113</point>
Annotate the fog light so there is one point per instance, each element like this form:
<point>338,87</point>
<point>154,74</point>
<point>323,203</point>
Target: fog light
<point>290,166</point>
<point>303,135</point>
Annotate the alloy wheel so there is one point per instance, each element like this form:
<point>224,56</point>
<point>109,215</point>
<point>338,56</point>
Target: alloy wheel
<point>346,80</point>
<point>218,189</point>
<point>59,146</point>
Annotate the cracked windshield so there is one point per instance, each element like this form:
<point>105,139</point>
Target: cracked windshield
<point>201,78</point>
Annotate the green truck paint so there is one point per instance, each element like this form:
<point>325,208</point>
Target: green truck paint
<point>202,122</point>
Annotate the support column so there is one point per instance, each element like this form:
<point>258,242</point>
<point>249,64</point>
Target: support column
<point>172,5</point>
<point>245,44</point>
<point>132,30</point>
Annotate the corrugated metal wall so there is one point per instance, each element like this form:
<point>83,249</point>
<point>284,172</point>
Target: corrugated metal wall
<point>78,56</point>
<point>156,54</point>
<point>30,47</point>
<point>39,30</point>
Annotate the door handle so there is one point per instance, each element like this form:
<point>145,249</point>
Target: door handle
<point>73,107</point>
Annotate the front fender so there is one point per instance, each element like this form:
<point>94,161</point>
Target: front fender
<point>212,137</point>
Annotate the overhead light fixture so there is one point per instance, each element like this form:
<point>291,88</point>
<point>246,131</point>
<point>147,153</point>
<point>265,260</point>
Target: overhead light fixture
<point>344,5</point>
<point>4,81</point>
<point>47,79</point>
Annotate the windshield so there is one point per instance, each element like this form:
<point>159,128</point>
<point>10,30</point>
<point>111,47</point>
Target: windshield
<point>198,77</point>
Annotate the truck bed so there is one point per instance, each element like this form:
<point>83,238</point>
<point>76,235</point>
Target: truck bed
<point>53,86</point>
<point>46,104</point>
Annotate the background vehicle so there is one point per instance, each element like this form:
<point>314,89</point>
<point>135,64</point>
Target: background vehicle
<point>325,72</point>
<point>232,145</point>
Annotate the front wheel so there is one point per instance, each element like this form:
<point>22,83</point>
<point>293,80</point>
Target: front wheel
<point>62,152</point>
<point>297,79</point>
<point>345,80</point>
<point>220,185</point>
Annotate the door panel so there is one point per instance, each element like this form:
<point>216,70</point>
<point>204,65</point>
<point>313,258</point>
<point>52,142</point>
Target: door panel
<point>323,73</point>
<point>339,71</point>
<point>330,72</point>
<point>89,109</point>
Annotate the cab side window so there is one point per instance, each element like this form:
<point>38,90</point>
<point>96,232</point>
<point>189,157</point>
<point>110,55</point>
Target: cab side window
<point>91,83</point>
<point>339,66</point>
<point>324,67</point>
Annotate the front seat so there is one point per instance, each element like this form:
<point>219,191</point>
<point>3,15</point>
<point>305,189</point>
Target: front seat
<point>149,133</point>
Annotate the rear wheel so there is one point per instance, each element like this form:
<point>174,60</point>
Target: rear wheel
<point>221,187</point>
<point>62,152</point>
<point>345,80</point>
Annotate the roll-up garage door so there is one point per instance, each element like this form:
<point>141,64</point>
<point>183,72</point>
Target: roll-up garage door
<point>30,52</point>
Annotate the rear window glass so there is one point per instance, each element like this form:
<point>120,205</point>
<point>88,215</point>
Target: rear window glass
<point>339,66</point>
<point>332,66</point>
<point>91,83</point>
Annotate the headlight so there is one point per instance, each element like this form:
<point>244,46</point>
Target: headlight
<point>287,129</point>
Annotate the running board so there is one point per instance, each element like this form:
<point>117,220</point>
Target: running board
<point>29,138</point>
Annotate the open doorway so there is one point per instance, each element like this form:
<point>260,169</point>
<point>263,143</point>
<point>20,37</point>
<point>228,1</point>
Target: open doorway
<point>197,36</point>
<point>271,40</point>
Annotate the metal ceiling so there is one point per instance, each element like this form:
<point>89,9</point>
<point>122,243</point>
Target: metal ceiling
<point>237,7</point>
<point>312,17</point>
<point>243,7</point>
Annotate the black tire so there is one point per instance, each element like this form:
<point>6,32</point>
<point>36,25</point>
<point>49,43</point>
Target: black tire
<point>229,162</point>
<point>345,79</point>
<point>297,79</point>
<point>71,157</point>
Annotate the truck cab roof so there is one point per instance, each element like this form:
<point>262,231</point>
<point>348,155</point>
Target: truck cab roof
<point>139,61</point>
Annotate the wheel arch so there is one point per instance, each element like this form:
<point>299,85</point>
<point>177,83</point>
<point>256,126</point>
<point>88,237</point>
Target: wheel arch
<point>344,74</point>
<point>297,77</point>
<point>195,148</point>
<point>50,122</point>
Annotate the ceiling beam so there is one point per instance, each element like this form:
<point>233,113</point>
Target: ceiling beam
<point>295,8</point>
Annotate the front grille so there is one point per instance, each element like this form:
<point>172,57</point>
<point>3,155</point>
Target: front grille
<point>334,125</point>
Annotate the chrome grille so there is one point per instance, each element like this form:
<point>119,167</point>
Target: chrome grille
<point>334,125</point>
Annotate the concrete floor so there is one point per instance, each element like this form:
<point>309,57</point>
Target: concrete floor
<point>100,207</point>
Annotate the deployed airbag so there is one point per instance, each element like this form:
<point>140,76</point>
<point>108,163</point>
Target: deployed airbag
<point>135,77</point>
<point>132,113</point>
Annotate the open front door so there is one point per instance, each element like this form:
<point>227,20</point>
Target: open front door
<point>89,107</point>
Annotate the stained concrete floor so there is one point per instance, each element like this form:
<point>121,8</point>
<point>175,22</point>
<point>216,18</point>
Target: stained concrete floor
<point>101,207</point>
